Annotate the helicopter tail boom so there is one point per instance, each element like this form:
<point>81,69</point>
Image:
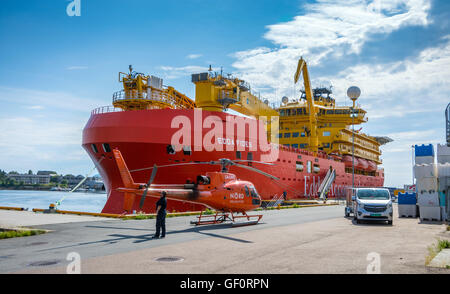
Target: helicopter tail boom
<point>125,174</point>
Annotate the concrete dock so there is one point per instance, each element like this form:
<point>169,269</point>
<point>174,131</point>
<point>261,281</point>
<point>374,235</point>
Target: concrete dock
<point>303,240</point>
<point>14,219</point>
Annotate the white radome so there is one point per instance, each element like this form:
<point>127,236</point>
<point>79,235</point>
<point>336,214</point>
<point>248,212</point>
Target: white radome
<point>353,92</point>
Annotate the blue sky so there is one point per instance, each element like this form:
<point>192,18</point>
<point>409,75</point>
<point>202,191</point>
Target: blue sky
<point>55,69</point>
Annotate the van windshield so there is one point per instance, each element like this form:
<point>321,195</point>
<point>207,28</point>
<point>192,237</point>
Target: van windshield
<point>372,194</point>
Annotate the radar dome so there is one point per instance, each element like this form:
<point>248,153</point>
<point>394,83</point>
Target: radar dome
<point>353,92</point>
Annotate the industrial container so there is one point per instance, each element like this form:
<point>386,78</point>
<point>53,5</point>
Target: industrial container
<point>430,213</point>
<point>443,153</point>
<point>425,171</point>
<point>424,150</point>
<point>428,199</point>
<point>426,185</point>
<point>443,170</point>
<point>407,210</point>
<point>407,198</point>
<point>424,160</point>
<point>444,215</point>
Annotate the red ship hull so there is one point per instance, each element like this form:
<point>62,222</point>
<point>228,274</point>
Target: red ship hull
<point>143,137</point>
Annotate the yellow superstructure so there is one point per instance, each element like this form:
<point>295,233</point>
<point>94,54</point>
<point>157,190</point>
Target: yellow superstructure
<point>147,92</point>
<point>215,92</point>
<point>313,122</point>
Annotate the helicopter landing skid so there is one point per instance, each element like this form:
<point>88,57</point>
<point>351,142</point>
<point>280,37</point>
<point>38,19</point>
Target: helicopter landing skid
<point>220,217</point>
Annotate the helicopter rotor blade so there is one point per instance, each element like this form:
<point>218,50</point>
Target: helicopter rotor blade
<point>261,162</point>
<point>256,170</point>
<point>152,177</point>
<point>175,164</point>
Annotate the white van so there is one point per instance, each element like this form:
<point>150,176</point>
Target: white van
<point>372,204</point>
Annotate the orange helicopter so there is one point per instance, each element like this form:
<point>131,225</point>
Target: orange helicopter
<point>221,191</point>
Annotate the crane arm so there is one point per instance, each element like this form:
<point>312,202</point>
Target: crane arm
<point>303,68</point>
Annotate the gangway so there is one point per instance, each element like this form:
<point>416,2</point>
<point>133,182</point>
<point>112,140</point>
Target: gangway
<point>326,183</point>
<point>275,201</point>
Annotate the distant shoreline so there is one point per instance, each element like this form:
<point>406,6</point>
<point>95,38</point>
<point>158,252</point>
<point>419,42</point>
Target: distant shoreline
<point>25,188</point>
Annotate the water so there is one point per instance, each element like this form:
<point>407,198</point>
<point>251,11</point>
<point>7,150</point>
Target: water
<point>77,201</point>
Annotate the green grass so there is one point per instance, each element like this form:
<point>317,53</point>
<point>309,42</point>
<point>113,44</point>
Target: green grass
<point>443,244</point>
<point>20,233</point>
<point>435,249</point>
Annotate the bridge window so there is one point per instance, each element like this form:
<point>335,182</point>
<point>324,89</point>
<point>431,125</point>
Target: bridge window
<point>295,135</point>
<point>187,150</point>
<point>249,157</point>
<point>295,145</point>
<point>303,134</point>
<point>287,135</point>
<point>326,134</point>
<point>280,136</point>
<point>238,155</point>
<point>94,148</point>
<point>303,146</point>
<point>106,147</point>
<point>170,149</point>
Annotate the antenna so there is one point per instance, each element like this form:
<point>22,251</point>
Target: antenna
<point>447,117</point>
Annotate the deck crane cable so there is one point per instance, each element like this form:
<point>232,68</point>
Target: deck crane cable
<point>58,203</point>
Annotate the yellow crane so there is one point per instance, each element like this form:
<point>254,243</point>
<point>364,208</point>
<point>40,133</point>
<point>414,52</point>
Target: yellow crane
<point>313,138</point>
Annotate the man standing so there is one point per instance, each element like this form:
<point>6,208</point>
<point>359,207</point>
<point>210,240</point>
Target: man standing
<point>161,216</point>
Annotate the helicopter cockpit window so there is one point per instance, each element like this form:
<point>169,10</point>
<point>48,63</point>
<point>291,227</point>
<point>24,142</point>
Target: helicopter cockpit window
<point>247,193</point>
<point>254,193</point>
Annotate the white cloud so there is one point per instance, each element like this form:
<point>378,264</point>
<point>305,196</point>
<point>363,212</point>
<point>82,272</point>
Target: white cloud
<point>405,98</point>
<point>327,29</point>
<point>194,56</point>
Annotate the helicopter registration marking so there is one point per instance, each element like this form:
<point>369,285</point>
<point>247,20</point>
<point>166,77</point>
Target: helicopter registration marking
<point>236,196</point>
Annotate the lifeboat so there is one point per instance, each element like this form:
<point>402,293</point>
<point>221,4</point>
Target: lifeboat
<point>347,159</point>
<point>372,166</point>
<point>363,164</point>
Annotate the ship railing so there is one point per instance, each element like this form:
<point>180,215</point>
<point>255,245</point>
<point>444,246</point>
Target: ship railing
<point>152,95</point>
<point>105,109</point>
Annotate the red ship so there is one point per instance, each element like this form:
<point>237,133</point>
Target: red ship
<point>147,119</point>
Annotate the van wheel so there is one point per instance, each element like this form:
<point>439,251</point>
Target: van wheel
<point>390,223</point>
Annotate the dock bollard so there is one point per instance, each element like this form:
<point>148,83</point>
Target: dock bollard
<point>51,209</point>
